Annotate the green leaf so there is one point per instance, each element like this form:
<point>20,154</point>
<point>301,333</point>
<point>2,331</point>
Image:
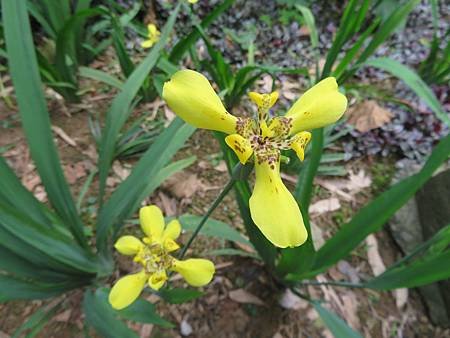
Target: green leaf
<point>232,252</point>
<point>103,318</point>
<point>100,76</point>
<point>34,115</point>
<point>146,176</point>
<point>213,228</point>
<point>413,81</point>
<point>419,273</point>
<point>120,107</point>
<point>13,288</point>
<point>13,193</point>
<point>372,217</point>
<point>140,310</point>
<point>178,295</point>
<point>184,44</point>
<point>36,322</point>
<point>47,240</point>
<point>336,325</point>
<point>387,28</point>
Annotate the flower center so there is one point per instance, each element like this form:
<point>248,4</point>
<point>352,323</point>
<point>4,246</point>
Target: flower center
<point>154,258</point>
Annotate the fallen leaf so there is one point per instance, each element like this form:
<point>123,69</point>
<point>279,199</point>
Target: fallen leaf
<point>63,135</point>
<point>358,181</point>
<point>368,115</point>
<point>373,256</point>
<point>185,328</point>
<point>73,172</point>
<point>324,206</point>
<point>168,205</point>
<point>345,268</point>
<point>184,185</point>
<point>291,301</point>
<point>304,31</point>
<point>401,297</point>
<point>317,235</point>
<point>120,170</point>
<point>63,316</point>
<point>170,115</point>
<point>146,330</point>
<point>221,167</point>
<point>245,297</point>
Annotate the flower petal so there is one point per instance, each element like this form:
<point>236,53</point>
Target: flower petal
<point>152,222</point>
<point>274,210</point>
<point>264,101</point>
<point>172,230</point>
<point>128,245</point>
<point>299,143</point>
<point>319,106</point>
<point>196,271</point>
<point>157,280</point>
<point>241,147</point>
<point>190,95</point>
<point>147,43</point>
<point>127,289</point>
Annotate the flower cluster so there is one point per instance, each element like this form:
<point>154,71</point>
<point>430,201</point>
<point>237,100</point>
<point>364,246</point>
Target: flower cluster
<point>152,36</point>
<point>153,253</point>
<point>273,209</point>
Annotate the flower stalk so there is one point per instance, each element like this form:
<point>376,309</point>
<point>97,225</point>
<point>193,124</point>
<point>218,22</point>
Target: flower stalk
<point>240,172</point>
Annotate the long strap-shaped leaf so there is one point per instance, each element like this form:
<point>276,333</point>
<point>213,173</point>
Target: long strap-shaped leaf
<point>413,81</point>
<point>120,107</point>
<point>145,177</point>
<point>34,114</point>
<point>372,217</point>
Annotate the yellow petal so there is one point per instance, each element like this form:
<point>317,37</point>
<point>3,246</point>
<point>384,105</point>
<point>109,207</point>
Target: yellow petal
<point>196,271</point>
<point>127,289</point>
<point>157,280</point>
<point>241,147</point>
<point>299,143</point>
<point>152,222</point>
<point>152,30</point>
<point>192,1</point>
<point>128,245</point>
<point>274,210</point>
<point>172,230</point>
<point>170,245</point>
<point>264,101</point>
<point>147,43</point>
<point>319,106</point>
<point>190,96</point>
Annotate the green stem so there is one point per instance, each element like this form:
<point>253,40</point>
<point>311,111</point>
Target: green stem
<point>214,205</point>
<point>334,283</point>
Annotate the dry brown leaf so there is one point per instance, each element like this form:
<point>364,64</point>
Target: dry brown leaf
<point>170,115</point>
<point>221,167</point>
<point>245,297</point>
<point>304,31</point>
<point>291,301</point>
<point>63,135</point>
<point>168,205</point>
<point>373,256</point>
<point>324,206</point>
<point>317,236</point>
<point>63,316</point>
<point>368,115</point>
<point>401,297</point>
<point>73,172</point>
<point>350,310</point>
<point>184,185</point>
<point>120,170</point>
<point>358,181</point>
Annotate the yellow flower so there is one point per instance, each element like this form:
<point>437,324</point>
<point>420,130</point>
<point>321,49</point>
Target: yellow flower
<point>192,1</point>
<point>153,253</point>
<point>153,36</point>
<point>273,208</point>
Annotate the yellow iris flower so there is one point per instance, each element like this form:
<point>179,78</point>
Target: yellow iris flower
<point>273,208</point>
<point>153,253</point>
<point>152,35</point>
